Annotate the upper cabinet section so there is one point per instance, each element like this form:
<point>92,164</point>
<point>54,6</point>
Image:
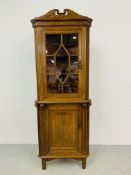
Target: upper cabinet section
<point>63,18</point>
<point>62,55</point>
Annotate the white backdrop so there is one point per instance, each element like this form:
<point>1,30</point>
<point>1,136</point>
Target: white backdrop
<point>110,69</point>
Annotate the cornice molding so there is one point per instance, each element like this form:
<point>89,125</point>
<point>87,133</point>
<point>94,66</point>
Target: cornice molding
<point>66,15</point>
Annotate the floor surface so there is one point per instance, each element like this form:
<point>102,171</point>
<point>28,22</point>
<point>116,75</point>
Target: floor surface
<point>104,160</point>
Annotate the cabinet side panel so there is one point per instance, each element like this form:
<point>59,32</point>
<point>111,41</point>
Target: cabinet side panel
<point>41,116</point>
<point>39,63</point>
<point>85,129</point>
<point>85,62</point>
<point>88,129</point>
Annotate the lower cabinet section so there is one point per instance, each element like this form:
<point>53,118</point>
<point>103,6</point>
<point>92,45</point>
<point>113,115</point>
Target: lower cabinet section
<point>63,131</point>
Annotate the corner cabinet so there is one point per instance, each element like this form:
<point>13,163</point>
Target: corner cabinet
<point>62,68</point>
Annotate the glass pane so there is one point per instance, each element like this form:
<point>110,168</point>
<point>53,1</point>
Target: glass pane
<point>73,50</point>
<point>50,83</point>
<point>62,63</point>
<point>74,84</point>
<point>50,66</point>
<point>71,43</point>
<point>62,52</point>
<point>74,65</point>
<point>53,84</point>
<point>58,86</point>
<point>53,39</point>
<point>71,84</point>
<point>51,49</point>
<point>71,39</point>
<point>62,67</point>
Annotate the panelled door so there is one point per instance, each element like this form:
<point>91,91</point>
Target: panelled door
<point>63,128</point>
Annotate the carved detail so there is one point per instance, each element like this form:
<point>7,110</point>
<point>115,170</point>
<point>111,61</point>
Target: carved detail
<point>39,104</point>
<point>67,14</point>
<point>84,104</point>
<point>88,104</point>
<point>36,105</point>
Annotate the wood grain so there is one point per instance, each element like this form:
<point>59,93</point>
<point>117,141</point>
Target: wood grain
<point>63,119</point>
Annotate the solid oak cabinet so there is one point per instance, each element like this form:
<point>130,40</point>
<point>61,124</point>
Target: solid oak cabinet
<point>62,68</point>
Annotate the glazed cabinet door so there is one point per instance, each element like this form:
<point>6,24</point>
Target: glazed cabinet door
<point>61,63</point>
<point>63,129</point>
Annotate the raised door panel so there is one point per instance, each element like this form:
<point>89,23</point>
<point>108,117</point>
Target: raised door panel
<point>63,131</point>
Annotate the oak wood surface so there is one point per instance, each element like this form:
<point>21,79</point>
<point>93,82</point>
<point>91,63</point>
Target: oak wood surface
<point>63,118</point>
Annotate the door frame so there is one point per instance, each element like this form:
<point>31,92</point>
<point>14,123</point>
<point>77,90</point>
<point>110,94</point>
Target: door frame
<point>82,61</point>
